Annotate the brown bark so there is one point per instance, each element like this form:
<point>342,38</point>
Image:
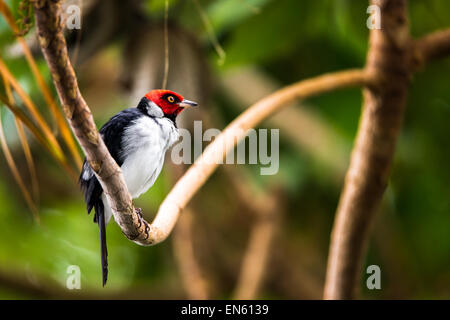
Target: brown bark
<point>53,44</point>
<point>387,67</point>
<point>433,46</point>
<point>391,59</point>
<point>207,163</point>
<point>372,156</point>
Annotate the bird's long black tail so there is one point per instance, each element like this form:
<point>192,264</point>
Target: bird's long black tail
<point>100,219</point>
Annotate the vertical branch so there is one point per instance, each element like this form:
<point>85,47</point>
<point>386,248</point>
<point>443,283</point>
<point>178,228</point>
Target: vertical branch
<point>194,283</point>
<point>191,273</point>
<point>372,155</point>
<point>266,209</point>
<point>258,251</point>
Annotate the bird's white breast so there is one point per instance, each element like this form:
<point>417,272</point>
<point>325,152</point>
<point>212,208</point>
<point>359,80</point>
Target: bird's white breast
<point>145,144</point>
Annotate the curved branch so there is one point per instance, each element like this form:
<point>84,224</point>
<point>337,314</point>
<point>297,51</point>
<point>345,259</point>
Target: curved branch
<point>301,124</point>
<point>205,165</point>
<point>433,46</point>
<point>109,174</point>
<point>372,155</point>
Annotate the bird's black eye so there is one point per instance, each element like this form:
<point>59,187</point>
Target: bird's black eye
<point>171,99</point>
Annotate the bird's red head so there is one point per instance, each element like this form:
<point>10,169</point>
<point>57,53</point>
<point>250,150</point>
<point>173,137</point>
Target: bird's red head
<point>171,103</point>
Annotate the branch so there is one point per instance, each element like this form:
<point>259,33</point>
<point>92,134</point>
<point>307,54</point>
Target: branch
<point>266,208</point>
<point>109,174</point>
<point>433,46</point>
<point>53,45</point>
<point>195,284</point>
<point>208,161</point>
<point>258,252</point>
<point>301,124</point>
<point>296,268</point>
<point>372,155</point>
<point>35,285</point>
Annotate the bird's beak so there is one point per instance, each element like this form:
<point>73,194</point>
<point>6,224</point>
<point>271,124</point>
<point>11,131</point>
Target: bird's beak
<point>188,103</point>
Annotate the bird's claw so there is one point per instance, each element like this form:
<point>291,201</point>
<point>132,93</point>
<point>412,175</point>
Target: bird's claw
<point>147,229</point>
<point>142,221</point>
<point>140,216</point>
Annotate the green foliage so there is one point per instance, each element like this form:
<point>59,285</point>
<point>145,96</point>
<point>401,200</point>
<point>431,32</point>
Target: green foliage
<point>289,40</point>
<point>26,17</point>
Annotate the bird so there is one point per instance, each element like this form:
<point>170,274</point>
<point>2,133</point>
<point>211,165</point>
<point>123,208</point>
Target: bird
<point>137,139</point>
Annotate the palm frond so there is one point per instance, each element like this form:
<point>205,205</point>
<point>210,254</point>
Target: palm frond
<point>16,174</point>
<point>29,104</point>
<point>56,112</point>
<point>25,146</point>
<point>37,134</point>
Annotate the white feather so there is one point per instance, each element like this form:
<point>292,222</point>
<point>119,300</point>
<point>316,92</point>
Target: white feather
<point>146,142</point>
<point>87,171</point>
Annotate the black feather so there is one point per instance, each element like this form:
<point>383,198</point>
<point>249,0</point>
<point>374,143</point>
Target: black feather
<point>100,214</point>
<point>111,133</point>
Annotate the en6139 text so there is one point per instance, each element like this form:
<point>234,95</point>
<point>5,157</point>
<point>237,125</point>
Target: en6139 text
<point>246,309</point>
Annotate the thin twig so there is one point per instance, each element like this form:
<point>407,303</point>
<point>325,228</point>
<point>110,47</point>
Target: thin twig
<point>432,46</point>
<point>194,283</point>
<point>267,209</point>
<point>166,45</point>
<point>211,34</point>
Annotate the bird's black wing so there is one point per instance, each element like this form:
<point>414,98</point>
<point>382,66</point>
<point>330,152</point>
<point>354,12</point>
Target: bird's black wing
<point>111,133</point>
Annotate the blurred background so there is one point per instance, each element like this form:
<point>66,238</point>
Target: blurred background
<point>244,235</point>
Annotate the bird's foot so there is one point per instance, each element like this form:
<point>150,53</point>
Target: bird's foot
<point>147,229</point>
<point>142,221</point>
<point>139,212</point>
<point>140,216</point>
